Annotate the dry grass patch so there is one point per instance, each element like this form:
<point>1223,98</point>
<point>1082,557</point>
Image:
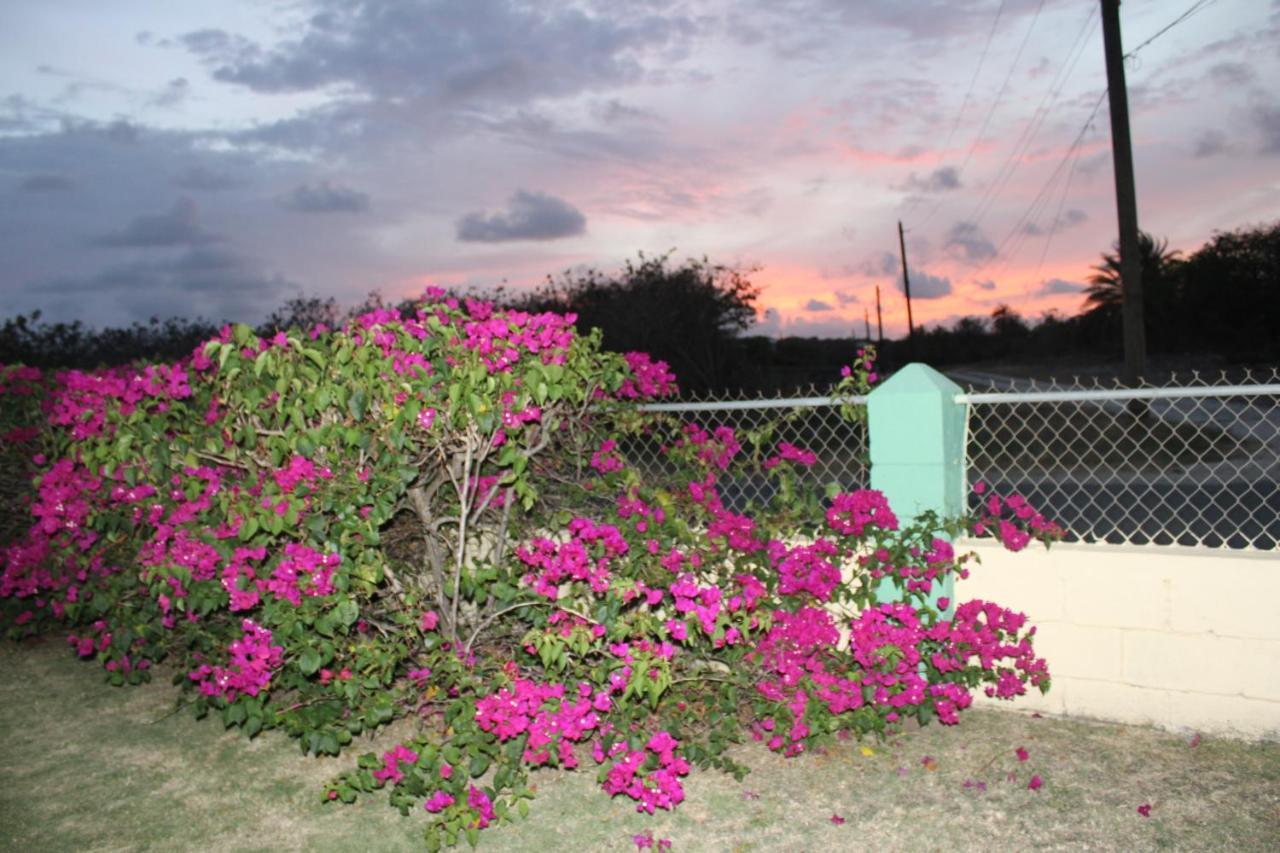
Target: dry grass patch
<point>89,767</point>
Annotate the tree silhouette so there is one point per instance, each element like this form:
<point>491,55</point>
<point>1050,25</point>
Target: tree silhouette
<point>1160,276</point>
<point>689,316</point>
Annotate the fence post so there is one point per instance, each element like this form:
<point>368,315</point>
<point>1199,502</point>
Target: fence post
<point>917,432</point>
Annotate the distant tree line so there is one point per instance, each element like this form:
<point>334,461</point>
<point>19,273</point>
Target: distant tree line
<point>1223,299</point>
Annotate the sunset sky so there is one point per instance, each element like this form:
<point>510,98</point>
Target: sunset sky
<point>192,158</point>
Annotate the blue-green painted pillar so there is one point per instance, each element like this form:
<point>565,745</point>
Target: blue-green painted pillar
<point>917,431</point>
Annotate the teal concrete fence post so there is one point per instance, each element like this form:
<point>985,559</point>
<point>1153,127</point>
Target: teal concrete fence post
<point>917,432</point>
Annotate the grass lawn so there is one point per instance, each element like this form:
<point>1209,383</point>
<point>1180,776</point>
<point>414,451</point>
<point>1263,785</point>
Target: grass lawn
<point>85,766</point>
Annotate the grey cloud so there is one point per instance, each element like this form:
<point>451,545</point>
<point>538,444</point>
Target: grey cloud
<point>1057,286</point>
<point>966,241</point>
<point>846,297</point>
<point>613,111</point>
<point>1210,143</point>
<point>939,180</point>
<point>818,305</point>
<point>174,93</point>
<point>984,284</point>
<point>926,286</point>
<point>204,282</point>
<point>445,49</point>
<point>325,197</point>
<point>883,264</point>
<point>1232,74</point>
<point>123,131</point>
<point>177,227</point>
<point>45,184</point>
<point>529,216</point>
<point>1266,119</point>
<point>203,178</point>
<point>1069,218</point>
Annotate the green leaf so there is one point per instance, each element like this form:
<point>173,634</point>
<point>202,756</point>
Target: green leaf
<point>309,662</point>
<point>479,764</point>
<point>356,404</point>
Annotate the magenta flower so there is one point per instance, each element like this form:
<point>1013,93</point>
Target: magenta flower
<point>643,842</point>
<point>1145,809</point>
<point>1035,783</point>
<point>1021,753</point>
<point>837,820</point>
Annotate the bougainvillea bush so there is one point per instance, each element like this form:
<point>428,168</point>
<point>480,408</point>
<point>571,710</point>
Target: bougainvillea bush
<point>225,515</point>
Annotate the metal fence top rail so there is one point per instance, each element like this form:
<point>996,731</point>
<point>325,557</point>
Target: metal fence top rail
<point>751,405</point>
<point>1119,394</point>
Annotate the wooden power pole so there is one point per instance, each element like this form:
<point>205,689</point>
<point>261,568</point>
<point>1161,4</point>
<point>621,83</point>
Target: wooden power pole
<point>906,287</point>
<point>1135,335</point>
<point>879,319</point>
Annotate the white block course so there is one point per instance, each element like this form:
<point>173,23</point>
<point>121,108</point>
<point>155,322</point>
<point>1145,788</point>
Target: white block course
<point>1180,638</point>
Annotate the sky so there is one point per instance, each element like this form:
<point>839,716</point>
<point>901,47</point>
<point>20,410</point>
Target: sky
<point>216,159</point>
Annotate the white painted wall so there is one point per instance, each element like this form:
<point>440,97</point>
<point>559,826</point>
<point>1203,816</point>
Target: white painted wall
<point>1180,638</point>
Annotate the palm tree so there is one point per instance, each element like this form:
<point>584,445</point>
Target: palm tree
<point>1104,294</point>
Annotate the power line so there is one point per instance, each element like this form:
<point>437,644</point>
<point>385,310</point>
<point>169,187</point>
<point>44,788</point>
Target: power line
<point>1032,128</point>
<point>1003,86</point>
<point>1016,236</point>
<point>955,125</point>
<point>1195,7</point>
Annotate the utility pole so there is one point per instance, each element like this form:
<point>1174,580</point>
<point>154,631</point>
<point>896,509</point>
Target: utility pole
<point>879,319</point>
<point>906,287</point>
<point>1135,335</point>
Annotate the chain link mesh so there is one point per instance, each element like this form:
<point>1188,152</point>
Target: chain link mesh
<point>814,423</point>
<point>1163,466</point>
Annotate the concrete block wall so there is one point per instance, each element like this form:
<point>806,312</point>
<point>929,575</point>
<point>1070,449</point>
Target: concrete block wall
<point>1180,638</point>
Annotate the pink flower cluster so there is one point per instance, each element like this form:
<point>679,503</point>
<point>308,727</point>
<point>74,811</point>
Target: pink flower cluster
<point>920,574</point>
<point>300,471</point>
<point>805,569</point>
<point>648,378</point>
<point>302,571</point>
<point>606,459</point>
<point>851,513</point>
<point>502,338</point>
<point>553,722</point>
<point>659,788</point>
<point>1016,532</point>
<point>716,449</point>
<point>737,531</point>
<point>798,656</point>
<point>585,557</point>
<point>391,760</point>
<point>253,660</point>
<point>791,453</point>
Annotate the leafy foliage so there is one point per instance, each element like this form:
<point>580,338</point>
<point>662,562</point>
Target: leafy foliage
<point>225,514</point>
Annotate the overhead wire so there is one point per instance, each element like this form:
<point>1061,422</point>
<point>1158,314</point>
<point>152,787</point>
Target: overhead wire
<point>1032,129</point>
<point>1042,110</point>
<point>1014,240</point>
<point>964,103</point>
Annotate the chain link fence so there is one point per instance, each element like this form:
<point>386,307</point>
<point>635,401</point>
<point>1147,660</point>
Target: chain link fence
<point>813,422</point>
<point>1194,461</point>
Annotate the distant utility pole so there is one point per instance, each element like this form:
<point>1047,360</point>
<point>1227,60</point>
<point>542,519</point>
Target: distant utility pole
<point>866,321</point>
<point>1135,336</point>
<point>879,319</point>
<point>906,286</point>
